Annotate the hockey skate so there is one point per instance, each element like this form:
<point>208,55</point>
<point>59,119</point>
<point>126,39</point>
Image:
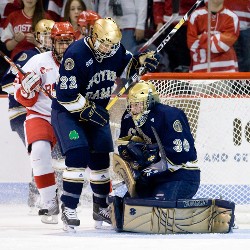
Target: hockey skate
<point>34,199</point>
<point>49,211</point>
<point>100,215</point>
<point>70,219</point>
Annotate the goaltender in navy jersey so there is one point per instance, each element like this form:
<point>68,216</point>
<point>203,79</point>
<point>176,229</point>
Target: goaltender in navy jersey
<point>169,175</point>
<point>81,74</point>
<point>172,126</point>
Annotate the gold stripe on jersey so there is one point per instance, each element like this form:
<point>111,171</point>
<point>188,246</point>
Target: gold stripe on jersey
<point>8,88</point>
<point>188,166</point>
<point>75,105</point>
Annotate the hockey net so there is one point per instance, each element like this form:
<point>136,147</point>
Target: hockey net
<point>217,107</point>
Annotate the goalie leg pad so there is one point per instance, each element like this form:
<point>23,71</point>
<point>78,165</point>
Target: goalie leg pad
<point>170,217</point>
<point>128,174</point>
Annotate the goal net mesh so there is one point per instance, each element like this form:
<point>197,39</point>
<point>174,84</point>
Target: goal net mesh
<point>217,107</point>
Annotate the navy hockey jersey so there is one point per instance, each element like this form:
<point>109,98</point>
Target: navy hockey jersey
<point>83,77</point>
<point>172,126</point>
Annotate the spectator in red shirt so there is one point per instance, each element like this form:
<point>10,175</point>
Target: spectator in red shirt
<point>19,26</point>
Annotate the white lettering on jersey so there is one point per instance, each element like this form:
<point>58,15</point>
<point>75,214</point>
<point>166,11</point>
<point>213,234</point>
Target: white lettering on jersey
<point>99,94</point>
<point>102,76</point>
<point>63,82</point>
<point>23,28</point>
<point>72,84</point>
<point>89,62</point>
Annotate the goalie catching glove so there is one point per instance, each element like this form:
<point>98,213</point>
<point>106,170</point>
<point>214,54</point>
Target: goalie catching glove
<point>94,113</point>
<point>146,60</point>
<point>144,154</point>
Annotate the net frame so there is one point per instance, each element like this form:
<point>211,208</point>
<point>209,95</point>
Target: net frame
<point>188,91</point>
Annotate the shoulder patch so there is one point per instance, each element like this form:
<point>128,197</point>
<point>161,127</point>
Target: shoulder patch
<point>177,126</point>
<point>23,57</point>
<point>69,64</point>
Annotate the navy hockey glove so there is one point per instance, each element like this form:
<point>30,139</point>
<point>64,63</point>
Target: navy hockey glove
<point>146,60</point>
<point>149,60</point>
<point>95,113</point>
<point>144,154</point>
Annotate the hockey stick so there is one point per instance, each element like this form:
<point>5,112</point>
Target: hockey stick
<point>159,32</point>
<point>158,49</point>
<point>14,65</point>
<point>175,11</point>
<point>161,149</point>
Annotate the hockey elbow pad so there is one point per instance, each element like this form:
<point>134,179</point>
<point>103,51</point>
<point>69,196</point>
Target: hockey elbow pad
<point>94,113</point>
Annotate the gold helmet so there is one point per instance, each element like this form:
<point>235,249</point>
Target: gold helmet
<point>140,100</point>
<point>106,37</point>
<point>42,33</point>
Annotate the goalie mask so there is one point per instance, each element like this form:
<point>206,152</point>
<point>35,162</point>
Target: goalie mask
<point>141,98</point>
<point>43,34</point>
<point>62,35</point>
<point>106,37</point>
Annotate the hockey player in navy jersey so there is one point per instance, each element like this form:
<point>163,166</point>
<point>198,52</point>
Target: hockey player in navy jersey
<point>156,142</point>
<point>87,74</point>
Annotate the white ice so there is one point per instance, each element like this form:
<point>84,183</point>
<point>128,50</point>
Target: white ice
<point>20,231</point>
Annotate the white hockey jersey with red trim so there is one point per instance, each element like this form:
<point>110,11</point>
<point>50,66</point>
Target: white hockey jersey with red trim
<point>224,33</point>
<point>45,66</point>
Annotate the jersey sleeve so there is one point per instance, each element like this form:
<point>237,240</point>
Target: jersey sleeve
<point>68,88</point>
<point>28,67</point>
<point>178,141</point>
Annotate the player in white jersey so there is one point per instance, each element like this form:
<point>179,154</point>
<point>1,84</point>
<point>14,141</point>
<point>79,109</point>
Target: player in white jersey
<point>42,73</point>
<point>17,113</point>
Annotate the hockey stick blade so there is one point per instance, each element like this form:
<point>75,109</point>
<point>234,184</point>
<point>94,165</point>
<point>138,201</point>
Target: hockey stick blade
<point>161,149</point>
<point>14,65</point>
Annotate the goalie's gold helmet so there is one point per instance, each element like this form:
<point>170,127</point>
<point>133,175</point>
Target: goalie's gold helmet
<point>140,100</point>
<point>43,33</point>
<point>106,37</point>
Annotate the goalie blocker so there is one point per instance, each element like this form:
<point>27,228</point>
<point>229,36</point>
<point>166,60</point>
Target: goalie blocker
<point>172,217</point>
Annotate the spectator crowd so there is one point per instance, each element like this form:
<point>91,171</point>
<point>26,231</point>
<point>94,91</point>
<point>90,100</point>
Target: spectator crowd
<point>189,50</point>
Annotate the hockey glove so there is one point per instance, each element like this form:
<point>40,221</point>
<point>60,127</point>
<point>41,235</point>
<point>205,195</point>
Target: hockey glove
<point>146,60</point>
<point>144,154</point>
<point>95,113</point>
<point>31,82</point>
<point>154,169</point>
<point>149,60</point>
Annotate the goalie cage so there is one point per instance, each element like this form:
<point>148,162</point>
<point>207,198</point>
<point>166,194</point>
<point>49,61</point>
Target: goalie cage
<point>217,106</point>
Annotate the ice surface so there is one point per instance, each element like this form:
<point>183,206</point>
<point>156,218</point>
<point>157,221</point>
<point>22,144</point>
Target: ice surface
<point>20,231</point>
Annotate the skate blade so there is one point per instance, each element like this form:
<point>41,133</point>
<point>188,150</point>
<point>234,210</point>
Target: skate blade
<point>103,225</point>
<point>68,228</point>
<point>33,211</point>
<point>49,219</point>
<point>98,224</point>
